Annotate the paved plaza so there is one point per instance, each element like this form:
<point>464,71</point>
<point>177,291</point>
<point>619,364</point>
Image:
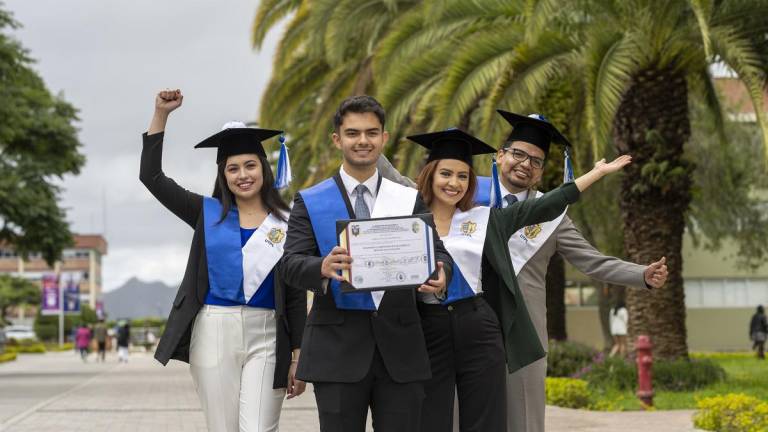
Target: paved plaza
<point>58,392</point>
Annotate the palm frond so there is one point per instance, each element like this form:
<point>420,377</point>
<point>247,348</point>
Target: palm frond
<point>737,53</point>
<point>473,69</point>
<point>610,81</point>
<point>702,9</point>
<point>269,13</point>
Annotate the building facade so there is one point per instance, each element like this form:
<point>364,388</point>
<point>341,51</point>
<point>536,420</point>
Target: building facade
<point>83,259</point>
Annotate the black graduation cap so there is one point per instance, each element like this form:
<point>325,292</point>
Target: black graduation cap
<point>534,129</point>
<point>236,138</point>
<point>451,144</point>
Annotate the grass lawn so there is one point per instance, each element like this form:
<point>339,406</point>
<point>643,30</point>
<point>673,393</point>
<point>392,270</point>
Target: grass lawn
<point>745,374</point>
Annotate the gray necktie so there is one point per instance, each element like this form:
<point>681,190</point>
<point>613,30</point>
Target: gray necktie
<point>361,208</point>
<point>510,199</point>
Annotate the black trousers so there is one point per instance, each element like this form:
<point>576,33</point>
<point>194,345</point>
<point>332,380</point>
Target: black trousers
<point>760,348</point>
<point>395,407</point>
<point>466,353</point>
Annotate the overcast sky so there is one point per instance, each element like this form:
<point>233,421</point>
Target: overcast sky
<point>109,58</point>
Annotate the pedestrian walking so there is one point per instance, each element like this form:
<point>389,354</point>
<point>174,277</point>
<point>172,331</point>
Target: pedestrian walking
<point>758,329</point>
<point>82,339</point>
<point>619,319</point>
<point>233,320</point>
<point>123,342</point>
<point>100,334</point>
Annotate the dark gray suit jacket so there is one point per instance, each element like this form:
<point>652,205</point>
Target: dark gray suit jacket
<point>338,345</point>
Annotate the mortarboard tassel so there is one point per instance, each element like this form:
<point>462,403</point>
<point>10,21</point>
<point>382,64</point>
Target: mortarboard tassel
<point>495,186</point>
<point>284,176</point>
<point>568,168</point>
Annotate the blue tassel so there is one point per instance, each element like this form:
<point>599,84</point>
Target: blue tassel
<point>283,177</point>
<point>568,168</point>
<point>495,186</point>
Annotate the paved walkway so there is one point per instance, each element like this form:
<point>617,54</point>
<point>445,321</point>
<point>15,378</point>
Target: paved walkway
<point>57,392</point>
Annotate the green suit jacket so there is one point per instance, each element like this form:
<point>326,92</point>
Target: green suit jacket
<point>521,342</point>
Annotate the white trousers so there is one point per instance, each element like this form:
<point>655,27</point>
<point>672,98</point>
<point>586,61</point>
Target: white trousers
<point>232,362</point>
<point>122,354</point>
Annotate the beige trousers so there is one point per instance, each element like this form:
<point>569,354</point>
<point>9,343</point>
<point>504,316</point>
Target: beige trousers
<point>232,362</point>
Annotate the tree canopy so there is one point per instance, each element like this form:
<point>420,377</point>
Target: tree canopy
<point>38,145</point>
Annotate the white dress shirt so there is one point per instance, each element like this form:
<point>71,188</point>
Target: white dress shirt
<point>504,192</point>
<point>350,183</point>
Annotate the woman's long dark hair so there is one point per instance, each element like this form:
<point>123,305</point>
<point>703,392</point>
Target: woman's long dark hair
<point>270,197</point>
<point>619,304</point>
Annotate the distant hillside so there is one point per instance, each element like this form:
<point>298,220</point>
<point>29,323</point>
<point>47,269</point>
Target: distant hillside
<point>137,299</point>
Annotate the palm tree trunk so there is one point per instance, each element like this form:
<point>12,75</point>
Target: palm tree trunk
<point>652,125</point>
<point>555,289</point>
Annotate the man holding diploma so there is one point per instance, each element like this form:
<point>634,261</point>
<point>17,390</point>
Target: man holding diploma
<point>360,349</point>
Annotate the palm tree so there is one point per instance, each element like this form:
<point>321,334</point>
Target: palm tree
<point>324,56</point>
<point>633,68</point>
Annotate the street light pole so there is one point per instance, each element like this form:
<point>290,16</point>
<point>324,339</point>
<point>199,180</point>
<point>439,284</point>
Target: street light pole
<point>61,310</point>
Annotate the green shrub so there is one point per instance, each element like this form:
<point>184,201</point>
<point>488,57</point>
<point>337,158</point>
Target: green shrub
<point>686,375</point>
<point>670,375</point>
<point>7,356</point>
<point>737,355</point>
<point>147,322</point>
<point>69,346</point>
<point>565,359</point>
<point>37,348</point>
<point>611,373</point>
<point>732,413</point>
<point>567,392</point>
<point>47,326</point>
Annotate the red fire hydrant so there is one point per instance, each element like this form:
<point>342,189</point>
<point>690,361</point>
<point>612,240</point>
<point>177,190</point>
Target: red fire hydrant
<point>644,370</point>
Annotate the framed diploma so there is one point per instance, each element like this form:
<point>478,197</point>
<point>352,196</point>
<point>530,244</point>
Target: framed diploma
<point>387,253</point>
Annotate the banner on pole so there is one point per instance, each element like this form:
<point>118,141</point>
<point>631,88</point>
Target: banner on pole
<point>50,302</point>
<point>70,283</point>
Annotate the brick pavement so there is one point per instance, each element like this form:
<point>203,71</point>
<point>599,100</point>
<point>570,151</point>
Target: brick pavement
<point>143,396</point>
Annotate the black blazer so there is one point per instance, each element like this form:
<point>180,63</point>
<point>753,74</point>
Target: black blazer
<point>290,303</point>
<point>338,344</point>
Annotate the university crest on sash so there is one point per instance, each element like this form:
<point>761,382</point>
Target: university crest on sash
<point>276,235</point>
<point>532,231</point>
<point>468,228</point>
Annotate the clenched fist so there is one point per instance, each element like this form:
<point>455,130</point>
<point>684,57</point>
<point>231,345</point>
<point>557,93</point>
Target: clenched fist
<point>168,100</point>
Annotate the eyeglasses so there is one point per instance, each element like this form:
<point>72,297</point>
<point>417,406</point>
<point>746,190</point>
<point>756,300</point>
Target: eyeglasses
<point>521,156</point>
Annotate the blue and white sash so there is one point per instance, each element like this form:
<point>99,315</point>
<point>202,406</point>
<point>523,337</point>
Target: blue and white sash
<point>325,205</point>
<point>236,272</point>
<point>483,191</point>
<point>528,240</point>
<point>465,242</point>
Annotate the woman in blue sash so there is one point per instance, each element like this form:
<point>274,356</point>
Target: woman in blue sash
<point>237,326</point>
<point>481,326</point>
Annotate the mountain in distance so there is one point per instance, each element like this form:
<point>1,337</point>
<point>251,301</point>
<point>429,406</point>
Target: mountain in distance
<point>139,299</point>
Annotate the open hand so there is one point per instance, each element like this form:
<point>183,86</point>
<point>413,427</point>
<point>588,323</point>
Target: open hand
<point>613,166</point>
<point>656,273</point>
<point>168,100</point>
<point>435,286</point>
<point>338,259</point>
